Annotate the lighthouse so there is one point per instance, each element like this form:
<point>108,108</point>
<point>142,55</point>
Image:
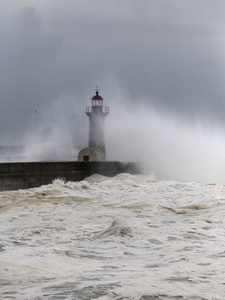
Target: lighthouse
<point>96,113</point>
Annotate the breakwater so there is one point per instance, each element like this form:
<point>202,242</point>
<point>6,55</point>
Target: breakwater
<point>24,175</point>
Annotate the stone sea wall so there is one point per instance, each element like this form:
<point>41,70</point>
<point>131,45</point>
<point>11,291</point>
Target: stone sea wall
<point>24,175</point>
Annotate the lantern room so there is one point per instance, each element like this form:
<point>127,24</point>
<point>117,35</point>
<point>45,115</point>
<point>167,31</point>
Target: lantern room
<point>97,100</point>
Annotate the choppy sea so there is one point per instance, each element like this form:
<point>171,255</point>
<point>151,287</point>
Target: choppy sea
<point>126,237</point>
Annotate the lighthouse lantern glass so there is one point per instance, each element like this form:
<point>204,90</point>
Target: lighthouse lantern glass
<point>97,102</point>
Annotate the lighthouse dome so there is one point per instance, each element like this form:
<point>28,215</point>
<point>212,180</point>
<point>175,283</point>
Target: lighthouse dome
<point>97,97</point>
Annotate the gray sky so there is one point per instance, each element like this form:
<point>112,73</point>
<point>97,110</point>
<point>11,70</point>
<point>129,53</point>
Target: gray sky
<point>165,55</point>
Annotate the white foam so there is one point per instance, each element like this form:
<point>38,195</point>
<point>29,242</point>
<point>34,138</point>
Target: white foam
<point>134,235</point>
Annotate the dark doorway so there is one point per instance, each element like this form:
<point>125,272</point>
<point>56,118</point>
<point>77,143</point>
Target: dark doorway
<point>86,158</point>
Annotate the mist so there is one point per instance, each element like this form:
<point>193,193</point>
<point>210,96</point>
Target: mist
<point>56,132</point>
<point>166,144</point>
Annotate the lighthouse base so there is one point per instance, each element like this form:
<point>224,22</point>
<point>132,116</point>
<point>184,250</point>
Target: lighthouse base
<point>91,154</point>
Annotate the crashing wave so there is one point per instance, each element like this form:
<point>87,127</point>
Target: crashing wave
<point>115,229</point>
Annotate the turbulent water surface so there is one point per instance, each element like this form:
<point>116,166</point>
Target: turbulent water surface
<point>127,237</point>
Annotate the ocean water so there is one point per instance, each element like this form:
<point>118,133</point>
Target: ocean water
<point>126,237</point>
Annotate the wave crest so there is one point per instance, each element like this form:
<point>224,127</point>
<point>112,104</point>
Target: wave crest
<point>115,229</point>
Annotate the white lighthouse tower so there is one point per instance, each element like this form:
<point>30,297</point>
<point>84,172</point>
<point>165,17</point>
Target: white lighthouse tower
<point>96,113</point>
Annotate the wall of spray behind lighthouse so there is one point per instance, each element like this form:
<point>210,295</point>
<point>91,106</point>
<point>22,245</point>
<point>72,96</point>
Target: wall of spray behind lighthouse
<point>170,147</point>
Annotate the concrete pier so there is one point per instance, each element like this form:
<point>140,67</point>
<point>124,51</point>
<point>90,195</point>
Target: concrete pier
<point>24,175</point>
